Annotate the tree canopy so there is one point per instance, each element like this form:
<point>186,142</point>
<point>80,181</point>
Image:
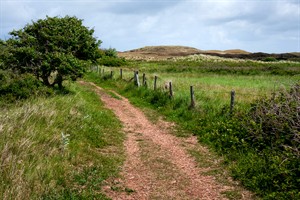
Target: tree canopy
<point>53,49</point>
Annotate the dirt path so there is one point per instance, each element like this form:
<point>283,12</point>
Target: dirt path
<point>157,165</point>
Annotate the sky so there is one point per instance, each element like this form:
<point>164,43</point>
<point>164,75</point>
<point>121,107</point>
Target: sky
<point>271,26</point>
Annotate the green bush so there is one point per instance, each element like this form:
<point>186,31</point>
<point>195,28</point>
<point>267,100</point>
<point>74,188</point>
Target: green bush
<point>112,61</point>
<point>109,57</point>
<point>273,127</point>
<point>15,87</point>
<point>275,123</point>
<point>269,59</point>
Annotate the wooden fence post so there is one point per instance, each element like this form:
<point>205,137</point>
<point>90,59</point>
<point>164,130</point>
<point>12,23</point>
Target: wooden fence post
<point>171,89</point>
<point>232,96</point>
<point>192,97</point>
<point>136,78</point>
<point>121,73</point>
<point>155,81</point>
<point>111,74</point>
<point>144,79</point>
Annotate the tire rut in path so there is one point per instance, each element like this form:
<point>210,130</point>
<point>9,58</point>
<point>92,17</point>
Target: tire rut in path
<point>157,165</point>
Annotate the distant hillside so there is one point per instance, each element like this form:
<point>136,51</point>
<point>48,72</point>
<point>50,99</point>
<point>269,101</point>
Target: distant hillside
<point>231,51</point>
<point>295,53</point>
<point>167,52</point>
<point>160,52</point>
<point>261,56</point>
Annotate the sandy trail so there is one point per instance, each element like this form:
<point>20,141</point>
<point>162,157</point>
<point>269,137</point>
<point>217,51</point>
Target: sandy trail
<point>157,165</point>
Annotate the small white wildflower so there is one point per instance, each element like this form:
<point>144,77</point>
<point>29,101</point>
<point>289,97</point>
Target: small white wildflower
<point>65,140</point>
<point>85,117</point>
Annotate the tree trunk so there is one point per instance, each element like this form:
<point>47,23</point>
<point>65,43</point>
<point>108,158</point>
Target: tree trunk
<point>59,81</point>
<point>46,80</point>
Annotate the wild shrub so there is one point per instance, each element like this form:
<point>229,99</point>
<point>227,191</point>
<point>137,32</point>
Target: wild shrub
<point>264,144</point>
<point>15,87</point>
<point>275,123</point>
<point>112,61</point>
<point>273,128</point>
<point>269,59</point>
<point>109,57</point>
<point>261,145</point>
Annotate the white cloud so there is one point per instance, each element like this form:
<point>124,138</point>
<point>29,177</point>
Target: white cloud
<point>266,25</point>
<point>14,13</point>
<point>147,24</point>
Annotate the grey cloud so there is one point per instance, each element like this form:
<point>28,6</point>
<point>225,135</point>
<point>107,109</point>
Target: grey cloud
<point>267,25</point>
<point>142,7</point>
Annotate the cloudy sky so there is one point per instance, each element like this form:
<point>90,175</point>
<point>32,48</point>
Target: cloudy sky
<point>254,25</point>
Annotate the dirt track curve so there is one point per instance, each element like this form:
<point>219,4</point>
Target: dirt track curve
<point>157,164</point>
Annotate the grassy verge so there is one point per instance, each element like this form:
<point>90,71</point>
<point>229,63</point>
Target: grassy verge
<point>60,147</point>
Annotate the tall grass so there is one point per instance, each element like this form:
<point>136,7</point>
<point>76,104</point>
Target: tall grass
<point>61,147</point>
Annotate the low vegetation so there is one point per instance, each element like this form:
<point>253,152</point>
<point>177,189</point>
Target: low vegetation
<point>59,147</point>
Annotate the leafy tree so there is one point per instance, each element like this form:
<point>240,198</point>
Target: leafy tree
<point>111,52</point>
<point>53,49</point>
<point>109,57</point>
<point>4,53</point>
